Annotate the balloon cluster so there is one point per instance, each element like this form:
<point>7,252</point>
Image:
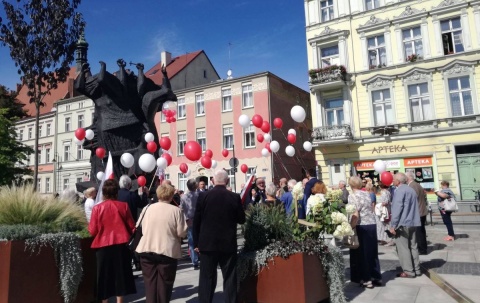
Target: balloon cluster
<point>385,176</point>
<point>169,115</point>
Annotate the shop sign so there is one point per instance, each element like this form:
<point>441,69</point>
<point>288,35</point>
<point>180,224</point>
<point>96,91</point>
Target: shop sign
<point>415,162</point>
<point>389,149</point>
<point>368,165</point>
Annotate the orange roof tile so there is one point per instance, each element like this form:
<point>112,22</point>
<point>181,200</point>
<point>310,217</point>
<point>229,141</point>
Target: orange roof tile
<point>56,94</point>
<point>175,66</point>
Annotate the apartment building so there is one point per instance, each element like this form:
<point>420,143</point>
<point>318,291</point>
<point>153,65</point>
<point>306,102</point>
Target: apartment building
<point>398,81</point>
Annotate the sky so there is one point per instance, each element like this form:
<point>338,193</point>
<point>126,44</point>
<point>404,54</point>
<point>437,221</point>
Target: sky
<point>248,36</point>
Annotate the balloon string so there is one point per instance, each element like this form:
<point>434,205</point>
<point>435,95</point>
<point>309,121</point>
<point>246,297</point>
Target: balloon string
<point>283,165</point>
<point>299,162</point>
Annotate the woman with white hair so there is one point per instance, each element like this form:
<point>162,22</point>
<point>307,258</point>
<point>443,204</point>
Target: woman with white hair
<point>271,193</point>
<point>90,194</point>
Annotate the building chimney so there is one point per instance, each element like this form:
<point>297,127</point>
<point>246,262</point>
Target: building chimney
<point>166,58</point>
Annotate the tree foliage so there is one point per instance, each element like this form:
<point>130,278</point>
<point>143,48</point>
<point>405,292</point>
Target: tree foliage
<point>41,36</point>
<point>8,99</point>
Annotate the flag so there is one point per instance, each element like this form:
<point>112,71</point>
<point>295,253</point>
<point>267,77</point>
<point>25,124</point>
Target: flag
<point>248,186</point>
<point>107,175</point>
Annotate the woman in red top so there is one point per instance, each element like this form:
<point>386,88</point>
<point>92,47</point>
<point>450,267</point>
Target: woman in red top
<point>112,224</point>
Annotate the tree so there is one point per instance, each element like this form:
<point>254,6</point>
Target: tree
<point>8,99</point>
<point>41,35</point>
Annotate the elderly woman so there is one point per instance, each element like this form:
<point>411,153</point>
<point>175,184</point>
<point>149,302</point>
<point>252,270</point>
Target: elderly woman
<point>112,225</point>
<point>163,227</point>
<point>446,193</point>
<point>383,223</point>
<point>364,263</point>
<point>318,189</point>
<point>90,194</point>
<point>271,193</point>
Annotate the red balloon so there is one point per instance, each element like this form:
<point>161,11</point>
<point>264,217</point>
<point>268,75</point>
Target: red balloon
<point>152,147</point>
<point>225,152</point>
<point>244,168</point>
<point>80,134</point>
<point>265,127</point>
<point>183,168</point>
<point>267,146</point>
<point>168,119</point>
<point>100,152</point>
<point>291,138</point>
<point>209,153</point>
<point>165,143</point>
<point>260,138</point>
<point>257,120</point>
<point>141,181</point>
<point>167,157</point>
<point>173,119</point>
<point>278,123</point>
<point>387,178</point>
<point>192,150</point>
<point>206,162</point>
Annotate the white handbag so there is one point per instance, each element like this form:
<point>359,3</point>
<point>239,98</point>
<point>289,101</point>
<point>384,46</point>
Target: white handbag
<point>450,204</point>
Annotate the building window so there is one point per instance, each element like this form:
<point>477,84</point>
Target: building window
<point>250,171</point>
<point>226,99</point>
<point>80,104</point>
<point>202,138</point>
<point>382,107</point>
<point>228,137</point>
<point>452,36</point>
<point>30,133</point>
<point>48,129</point>
<point>20,134</point>
<point>182,140</point>
<point>47,185</point>
<point>39,185</point>
<point>40,131</point>
<point>420,102</point>
<point>334,112</point>
<point>200,104</point>
<point>66,152</point>
<point>81,121</point>
<point>247,95</point>
<point>181,111</point>
<point>47,155</point>
<point>79,179</point>
<point>231,176</point>
<point>67,107</point>
<point>460,96</point>
<point>79,152</point>
<point>66,183</point>
<point>67,123</point>
<point>372,4</point>
<point>326,9</point>
<point>412,42</point>
<point>39,156</point>
<point>182,182</point>
<point>377,55</point>
<point>329,56</point>
<point>249,136</point>
<point>163,118</point>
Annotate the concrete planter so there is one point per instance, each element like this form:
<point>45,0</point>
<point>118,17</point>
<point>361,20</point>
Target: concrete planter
<point>27,277</point>
<point>296,279</point>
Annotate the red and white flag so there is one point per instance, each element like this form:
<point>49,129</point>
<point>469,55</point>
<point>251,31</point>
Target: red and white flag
<point>107,175</point>
<point>248,186</point>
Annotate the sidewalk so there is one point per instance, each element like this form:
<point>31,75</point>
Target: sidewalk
<point>453,268</point>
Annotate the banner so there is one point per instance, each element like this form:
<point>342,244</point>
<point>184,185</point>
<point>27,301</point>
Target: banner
<point>107,175</point>
<point>248,186</point>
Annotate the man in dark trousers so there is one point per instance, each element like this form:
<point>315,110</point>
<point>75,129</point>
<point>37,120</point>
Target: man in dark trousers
<point>215,222</point>
<point>312,179</point>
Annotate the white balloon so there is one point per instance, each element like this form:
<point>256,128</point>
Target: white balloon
<point>100,175</point>
<point>162,163</point>
<point>89,134</point>
<point>214,164</point>
<point>147,162</point>
<point>149,137</point>
<point>380,166</point>
<point>189,172</point>
<point>265,152</point>
<point>244,121</point>
<point>127,160</point>
<point>307,145</point>
<point>290,151</point>
<point>292,131</point>
<point>298,113</point>
<point>274,146</point>
<point>267,138</point>
<point>78,142</point>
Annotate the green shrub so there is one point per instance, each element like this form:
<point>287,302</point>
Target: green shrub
<point>24,206</point>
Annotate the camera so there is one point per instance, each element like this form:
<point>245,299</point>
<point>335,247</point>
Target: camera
<point>390,235</point>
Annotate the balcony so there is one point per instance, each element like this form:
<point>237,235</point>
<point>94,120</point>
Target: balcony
<point>332,134</point>
<point>328,77</point>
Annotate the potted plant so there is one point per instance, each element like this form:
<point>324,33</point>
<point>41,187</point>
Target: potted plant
<point>280,253</point>
<point>413,57</point>
<point>45,249</point>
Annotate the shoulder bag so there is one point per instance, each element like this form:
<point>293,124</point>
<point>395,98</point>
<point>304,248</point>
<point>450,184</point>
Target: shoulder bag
<point>137,234</point>
<point>352,241</point>
<point>450,204</point>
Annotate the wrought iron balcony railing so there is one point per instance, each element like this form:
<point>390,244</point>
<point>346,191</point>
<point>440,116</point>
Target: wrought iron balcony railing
<point>328,74</point>
<point>333,132</point>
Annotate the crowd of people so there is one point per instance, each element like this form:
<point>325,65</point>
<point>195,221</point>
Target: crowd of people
<point>208,217</point>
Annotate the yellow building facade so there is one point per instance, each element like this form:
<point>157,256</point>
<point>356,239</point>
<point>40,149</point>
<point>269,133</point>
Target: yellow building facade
<point>398,81</point>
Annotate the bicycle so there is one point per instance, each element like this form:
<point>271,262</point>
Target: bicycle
<point>475,207</point>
